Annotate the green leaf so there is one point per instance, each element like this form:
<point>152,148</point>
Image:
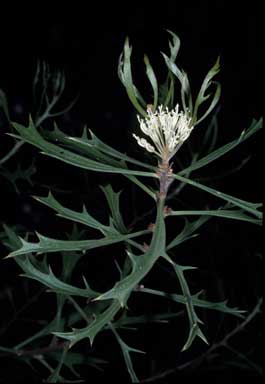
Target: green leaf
<point>245,205</point>
<point>19,174</point>
<point>47,244</point>
<point>75,358</point>
<point>225,213</point>
<point>32,136</point>
<point>125,74</point>
<point>254,127</point>
<point>166,92</point>
<point>100,148</point>
<point>141,265</point>
<point>92,329</point>
<point>174,45</point>
<point>210,137</point>
<point>220,306</point>
<point>44,331</point>
<point>81,217</point>
<point>194,320</point>
<point>51,281</point>
<point>152,78</point>
<point>185,85</point>
<point>126,350</point>
<point>85,147</point>
<point>202,97</point>
<point>173,67</point>
<point>188,231</point>
<point>143,186</point>
<point>164,317</point>
<point>55,375</point>
<point>113,199</point>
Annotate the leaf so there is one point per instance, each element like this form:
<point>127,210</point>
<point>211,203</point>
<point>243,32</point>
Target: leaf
<point>55,375</point>
<point>173,68</point>
<point>210,137</point>
<point>75,358</point>
<point>125,321</point>
<point>141,265</point>
<point>185,85</point>
<point>254,127</point>
<point>245,205</point>
<point>92,329</point>
<point>32,136</point>
<point>113,200</point>
<point>174,45</point>
<point>125,74</point>
<point>194,320</point>
<point>51,281</point>
<point>81,217</point>
<point>225,213</point>
<point>19,174</point>
<point>202,93</point>
<point>220,306</point>
<point>47,244</point>
<point>152,78</point>
<point>143,186</point>
<point>44,331</point>
<point>126,350</point>
<point>166,92</point>
<point>13,241</point>
<point>187,232</point>
<point>100,148</point>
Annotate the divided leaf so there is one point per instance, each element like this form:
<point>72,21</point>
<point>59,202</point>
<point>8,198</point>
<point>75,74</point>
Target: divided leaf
<point>142,264</point>
<point>47,244</point>
<point>51,281</point>
<point>81,217</point>
<point>246,134</point>
<point>32,136</point>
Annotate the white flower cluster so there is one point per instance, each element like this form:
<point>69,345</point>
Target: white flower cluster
<point>167,129</point>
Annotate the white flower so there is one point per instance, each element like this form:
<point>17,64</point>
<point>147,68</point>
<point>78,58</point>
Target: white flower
<point>167,130</point>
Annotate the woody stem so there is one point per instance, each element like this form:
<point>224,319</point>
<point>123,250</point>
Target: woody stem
<point>165,179</point>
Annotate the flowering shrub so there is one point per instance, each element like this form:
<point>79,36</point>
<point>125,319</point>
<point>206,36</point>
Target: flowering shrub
<point>165,126</point>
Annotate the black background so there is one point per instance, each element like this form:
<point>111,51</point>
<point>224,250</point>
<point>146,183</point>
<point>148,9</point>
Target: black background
<point>85,40</point>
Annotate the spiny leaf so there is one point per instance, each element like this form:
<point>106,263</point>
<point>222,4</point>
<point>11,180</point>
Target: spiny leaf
<point>101,149</point>
<point>113,199</point>
<point>194,332</point>
<point>81,217</point>
<point>126,350</point>
<point>19,174</point>
<point>220,306</point>
<point>254,127</point>
<point>188,231</point>
<point>47,244</point>
<point>92,329</point>
<point>141,265</point>
<point>51,281</point>
<point>32,136</point>
<point>194,320</point>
